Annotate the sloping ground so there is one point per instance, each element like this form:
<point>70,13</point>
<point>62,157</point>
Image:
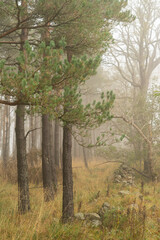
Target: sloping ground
<point>132,216</point>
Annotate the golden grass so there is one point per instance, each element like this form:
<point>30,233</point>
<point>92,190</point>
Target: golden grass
<point>38,224</point>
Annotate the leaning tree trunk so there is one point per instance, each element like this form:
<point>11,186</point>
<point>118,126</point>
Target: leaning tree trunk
<point>22,167</point>
<point>85,158</point>
<point>47,166</point>
<point>68,206</point>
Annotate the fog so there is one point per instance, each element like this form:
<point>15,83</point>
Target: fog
<point>80,84</point>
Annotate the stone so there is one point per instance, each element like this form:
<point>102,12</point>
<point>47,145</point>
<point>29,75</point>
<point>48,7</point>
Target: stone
<point>118,177</point>
<point>106,205</point>
<point>124,167</point>
<point>117,181</point>
<point>79,216</point>
<point>124,175</point>
<point>104,209</point>
<point>92,216</point>
<point>124,193</point>
<point>96,223</point>
<point>124,182</point>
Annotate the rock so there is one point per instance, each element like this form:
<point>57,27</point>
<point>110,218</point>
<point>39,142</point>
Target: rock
<point>124,167</point>
<point>117,181</point>
<point>106,205</point>
<point>118,177</point>
<point>92,216</point>
<point>124,193</point>
<point>79,216</point>
<point>124,175</point>
<point>96,223</point>
<point>104,209</point>
<point>124,182</point>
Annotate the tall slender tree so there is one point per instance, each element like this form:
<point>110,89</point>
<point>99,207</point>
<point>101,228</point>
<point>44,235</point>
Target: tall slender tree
<point>22,167</point>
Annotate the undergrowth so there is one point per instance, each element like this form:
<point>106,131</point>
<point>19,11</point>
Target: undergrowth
<point>121,222</point>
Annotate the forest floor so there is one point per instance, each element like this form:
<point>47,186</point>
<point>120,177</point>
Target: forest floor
<point>90,192</point>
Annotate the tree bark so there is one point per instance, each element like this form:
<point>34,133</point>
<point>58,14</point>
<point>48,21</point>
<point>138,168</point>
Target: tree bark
<point>7,137</point>
<point>68,206</point>
<point>52,156</point>
<point>48,159</point>
<point>85,158</point>
<point>148,160</point>
<point>57,143</point>
<point>47,164</point>
<point>22,167</point>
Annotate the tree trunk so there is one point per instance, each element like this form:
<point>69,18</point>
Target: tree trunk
<point>85,158</point>
<point>57,143</point>
<point>48,160</point>
<point>68,206</point>
<point>137,146</point>
<point>47,167</point>
<point>7,136</point>
<point>3,130</point>
<point>148,161</point>
<point>22,167</point>
<point>52,155</point>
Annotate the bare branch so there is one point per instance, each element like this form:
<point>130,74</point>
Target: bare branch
<point>31,131</point>
<point>135,126</point>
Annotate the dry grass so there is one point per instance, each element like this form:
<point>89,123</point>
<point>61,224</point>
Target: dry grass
<point>39,225</point>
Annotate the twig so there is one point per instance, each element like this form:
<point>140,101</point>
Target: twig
<point>31,131</point>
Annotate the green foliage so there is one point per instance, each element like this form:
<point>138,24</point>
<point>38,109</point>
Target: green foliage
<point>130,221</point>
<point>116,153</point>
<point>51,85</point>
<point>48,82</point>
<point>94,21</point>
